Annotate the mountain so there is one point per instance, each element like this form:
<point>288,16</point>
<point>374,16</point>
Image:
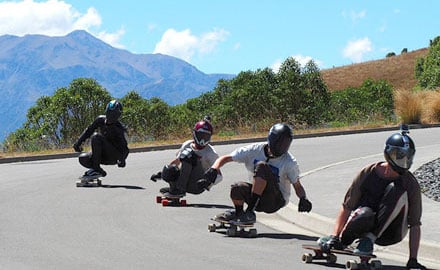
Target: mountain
<point>35,65</point>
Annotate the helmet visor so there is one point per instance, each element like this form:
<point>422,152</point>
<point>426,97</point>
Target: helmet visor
<point>401,156</point>
<point>202,137</point>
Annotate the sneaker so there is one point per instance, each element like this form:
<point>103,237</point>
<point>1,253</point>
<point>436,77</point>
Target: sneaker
<point>247,218</point>
<point>226,216</point>
<point>365,247</point>
<point>164,190</point>
<point>174,192</point>
<point>323,240</point>
<point>330,242</point>
<point>91,174</point>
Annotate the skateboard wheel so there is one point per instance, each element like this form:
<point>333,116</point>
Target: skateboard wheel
<point>375,264</point>
<point>331,258</point>
<point>351,264</point>
<point>158,199</point>
<point>165,202</point>
<point>183,202</point>
<point>307,258</point>
<point>212,227</point>
<point>232,231</point>
<point>253,233</point>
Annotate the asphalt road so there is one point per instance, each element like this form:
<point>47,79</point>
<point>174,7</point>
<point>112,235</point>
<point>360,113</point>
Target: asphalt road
<point>46,222</point>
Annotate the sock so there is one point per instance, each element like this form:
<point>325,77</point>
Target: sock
<point>255,198</point>
<point>238,210</point>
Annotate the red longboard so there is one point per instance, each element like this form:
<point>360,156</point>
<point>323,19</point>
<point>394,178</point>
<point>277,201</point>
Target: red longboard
<point>169,200</point>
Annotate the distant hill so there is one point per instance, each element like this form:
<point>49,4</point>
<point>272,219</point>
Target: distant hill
<point>397,70</point>
<point>36,65</point>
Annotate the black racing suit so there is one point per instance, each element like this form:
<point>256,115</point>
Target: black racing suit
<point>109,145</point>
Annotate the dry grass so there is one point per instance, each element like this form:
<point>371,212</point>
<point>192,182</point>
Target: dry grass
<point>415,107</point>
<point>397,70</point>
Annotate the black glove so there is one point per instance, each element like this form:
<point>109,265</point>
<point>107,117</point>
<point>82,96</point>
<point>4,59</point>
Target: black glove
<point>154,177</point>
<point>304,205</point>
<point>188,155</point>
<point>77,147</point>
<point>413,264</point>
<point>208,179</point>
<point>121,163</point>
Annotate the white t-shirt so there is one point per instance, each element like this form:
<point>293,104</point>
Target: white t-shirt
<point>285,166</point>
<point>207,154</point>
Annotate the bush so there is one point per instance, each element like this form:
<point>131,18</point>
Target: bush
<point>408,106</point>
<point>371,101</point>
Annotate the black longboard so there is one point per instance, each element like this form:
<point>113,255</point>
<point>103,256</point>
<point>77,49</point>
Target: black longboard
<point>365,262</point>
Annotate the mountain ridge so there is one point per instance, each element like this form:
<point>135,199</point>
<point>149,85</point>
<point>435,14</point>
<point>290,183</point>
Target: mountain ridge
<point>36,65</point>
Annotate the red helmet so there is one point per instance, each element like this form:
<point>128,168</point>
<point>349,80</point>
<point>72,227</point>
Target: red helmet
<point>202,133</point>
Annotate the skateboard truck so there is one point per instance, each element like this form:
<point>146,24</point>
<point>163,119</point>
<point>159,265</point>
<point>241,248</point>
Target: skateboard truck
<point>330,256</point>
<point>89,182</point>
<point>171,200</point>
<point>233,230</point>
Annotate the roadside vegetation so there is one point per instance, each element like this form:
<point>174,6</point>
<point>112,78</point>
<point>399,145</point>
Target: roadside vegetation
<point>245,106</point>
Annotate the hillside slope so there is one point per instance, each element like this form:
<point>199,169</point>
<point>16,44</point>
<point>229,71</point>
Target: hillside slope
<point>397,70</point>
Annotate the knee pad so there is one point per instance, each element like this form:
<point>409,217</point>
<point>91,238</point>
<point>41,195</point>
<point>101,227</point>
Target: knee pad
<point>238,191</point>
<point>265,171</point>
<point>96,138</point>
<point>170,173</point>
<point>361,221</point>
<point>85,159</point>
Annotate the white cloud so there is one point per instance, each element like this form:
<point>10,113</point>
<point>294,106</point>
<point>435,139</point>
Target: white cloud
<point>354,16</point>
<point>51,18</point>
<point>276,65</point>
<point>301,59</point>
<point>185,45</point>
<point>356,49</point>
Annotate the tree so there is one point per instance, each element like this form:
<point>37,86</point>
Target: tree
<point>427,68</point>
<point>56,121</point>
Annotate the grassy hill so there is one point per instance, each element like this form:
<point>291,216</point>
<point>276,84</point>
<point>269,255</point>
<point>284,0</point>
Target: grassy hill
<point>397,70</point>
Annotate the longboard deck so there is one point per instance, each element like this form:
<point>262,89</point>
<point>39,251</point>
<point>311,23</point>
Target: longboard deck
<point>170,200</point>
<point>233,230</point>
<point>330,257</point>
<point>96,182</point>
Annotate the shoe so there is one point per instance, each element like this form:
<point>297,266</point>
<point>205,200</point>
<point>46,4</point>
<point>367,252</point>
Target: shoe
<point>226,216</point>
<point>164,190</point>
<point>323,240</point>
<point>91,174</point>
<point>247,218</point>
<point>365,247</point>
<point>175,192</point>
<point>330,242</point>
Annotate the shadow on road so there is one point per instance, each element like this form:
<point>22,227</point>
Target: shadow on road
<point>287,236</point>
<point>121,186</point>
<point>203,205</point>
<point>326,265</point>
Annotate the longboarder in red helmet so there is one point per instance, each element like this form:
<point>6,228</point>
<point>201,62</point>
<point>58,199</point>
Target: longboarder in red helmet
<point>202,133</point>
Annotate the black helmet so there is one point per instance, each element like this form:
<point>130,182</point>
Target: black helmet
<point>399,151</point>
<point>113,111</point>
<point>279,139</point>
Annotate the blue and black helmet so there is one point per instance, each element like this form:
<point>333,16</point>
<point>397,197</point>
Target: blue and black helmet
<point>113,111</point>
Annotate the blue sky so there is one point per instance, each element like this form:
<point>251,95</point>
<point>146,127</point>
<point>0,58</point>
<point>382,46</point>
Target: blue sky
<point>231,36</point>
